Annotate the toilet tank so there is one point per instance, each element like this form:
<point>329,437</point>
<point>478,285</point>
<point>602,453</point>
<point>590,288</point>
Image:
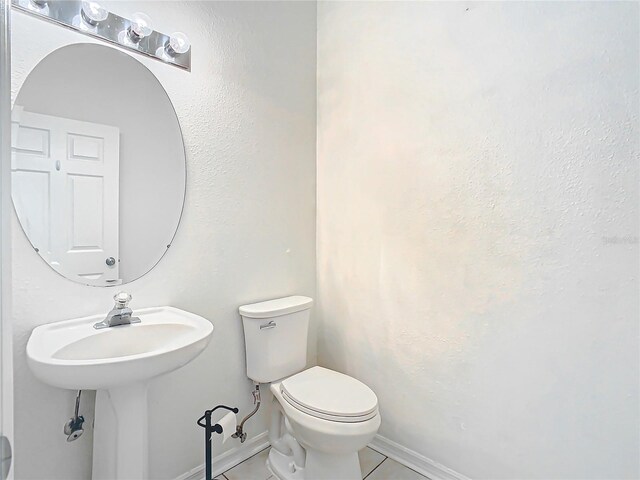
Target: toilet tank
<point>275,337</point>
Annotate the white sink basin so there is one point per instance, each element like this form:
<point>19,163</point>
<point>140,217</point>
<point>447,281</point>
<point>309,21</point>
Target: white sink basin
<point>118,362</point>
<point>72,354</point>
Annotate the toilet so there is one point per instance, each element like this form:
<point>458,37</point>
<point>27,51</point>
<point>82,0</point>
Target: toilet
<point>320,418</point>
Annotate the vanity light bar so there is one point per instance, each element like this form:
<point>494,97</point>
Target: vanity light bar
<point>91,18</point>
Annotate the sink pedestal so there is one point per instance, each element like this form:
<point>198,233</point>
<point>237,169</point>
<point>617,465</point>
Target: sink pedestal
<point>120,437</point>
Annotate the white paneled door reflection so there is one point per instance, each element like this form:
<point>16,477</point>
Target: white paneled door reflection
<point>65,191</point>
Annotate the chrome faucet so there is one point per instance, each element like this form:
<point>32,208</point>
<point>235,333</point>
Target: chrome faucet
<point>120,314</point>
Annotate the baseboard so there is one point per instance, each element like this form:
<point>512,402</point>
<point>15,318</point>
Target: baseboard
<point>230,458</point>
<point>421,464</point>
<point>415,461</point>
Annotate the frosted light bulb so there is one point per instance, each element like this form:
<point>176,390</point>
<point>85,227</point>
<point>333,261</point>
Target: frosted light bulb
<point>41,6</point>
<point>93,13</point>
<point>140,27</point>
<point>178,43</point>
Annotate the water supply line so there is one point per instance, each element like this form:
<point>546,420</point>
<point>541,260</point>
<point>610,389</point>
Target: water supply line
<point>73,428</point>
<point>240,433</point>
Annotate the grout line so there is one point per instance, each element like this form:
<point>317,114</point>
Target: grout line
<point>408,468</point>
<point>385,459</point>
<point>376,450</point>
<point>246,459</point>
<point>368,474</point>
<point>414,471</point>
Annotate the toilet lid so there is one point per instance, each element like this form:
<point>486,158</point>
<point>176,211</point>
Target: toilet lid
<point>331,395</point>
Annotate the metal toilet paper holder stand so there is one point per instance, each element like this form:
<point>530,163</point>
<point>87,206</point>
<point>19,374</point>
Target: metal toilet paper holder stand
<point>205,422</point>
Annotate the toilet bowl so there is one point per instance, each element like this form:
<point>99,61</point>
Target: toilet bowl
<point>320,418</point>
<point>331,415</point>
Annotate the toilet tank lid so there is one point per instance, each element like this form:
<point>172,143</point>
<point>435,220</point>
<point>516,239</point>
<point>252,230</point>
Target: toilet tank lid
<point>277,307</point>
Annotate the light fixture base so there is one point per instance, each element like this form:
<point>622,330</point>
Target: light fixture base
<point>63,13</point>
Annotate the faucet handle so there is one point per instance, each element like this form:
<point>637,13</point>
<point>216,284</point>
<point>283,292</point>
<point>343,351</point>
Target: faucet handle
<point>122,299</point>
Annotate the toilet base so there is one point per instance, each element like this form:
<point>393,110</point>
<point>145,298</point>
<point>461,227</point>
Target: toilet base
<point>319,466</point>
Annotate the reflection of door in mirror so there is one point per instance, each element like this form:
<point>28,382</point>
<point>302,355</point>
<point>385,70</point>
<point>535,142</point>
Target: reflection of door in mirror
<point>65,190</point>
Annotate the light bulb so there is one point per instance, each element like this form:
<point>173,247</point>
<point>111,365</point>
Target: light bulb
<point>178,44</point>
<point>38,6</point>
<point>140,27</point>
<point>93,13</point>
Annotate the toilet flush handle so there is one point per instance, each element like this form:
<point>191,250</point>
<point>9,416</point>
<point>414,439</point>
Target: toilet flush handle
<point>271,324</point>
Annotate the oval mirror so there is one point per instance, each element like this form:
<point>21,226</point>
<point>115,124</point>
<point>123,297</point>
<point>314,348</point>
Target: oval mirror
<point>98,169</point>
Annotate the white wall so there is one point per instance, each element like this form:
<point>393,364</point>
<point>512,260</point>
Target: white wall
<point>478,228</point>
<point>247,110</point>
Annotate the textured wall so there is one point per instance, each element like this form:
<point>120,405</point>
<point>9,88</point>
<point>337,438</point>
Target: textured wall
<point>247,111</point>
<point>478,228</point>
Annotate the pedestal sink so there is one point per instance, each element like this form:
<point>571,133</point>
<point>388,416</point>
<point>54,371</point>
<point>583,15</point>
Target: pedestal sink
<point>117,362</point>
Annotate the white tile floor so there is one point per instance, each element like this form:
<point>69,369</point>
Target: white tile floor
<point>374,465</point>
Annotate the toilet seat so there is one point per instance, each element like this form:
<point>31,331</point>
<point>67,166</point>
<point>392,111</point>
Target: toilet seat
<point>330,395</point>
